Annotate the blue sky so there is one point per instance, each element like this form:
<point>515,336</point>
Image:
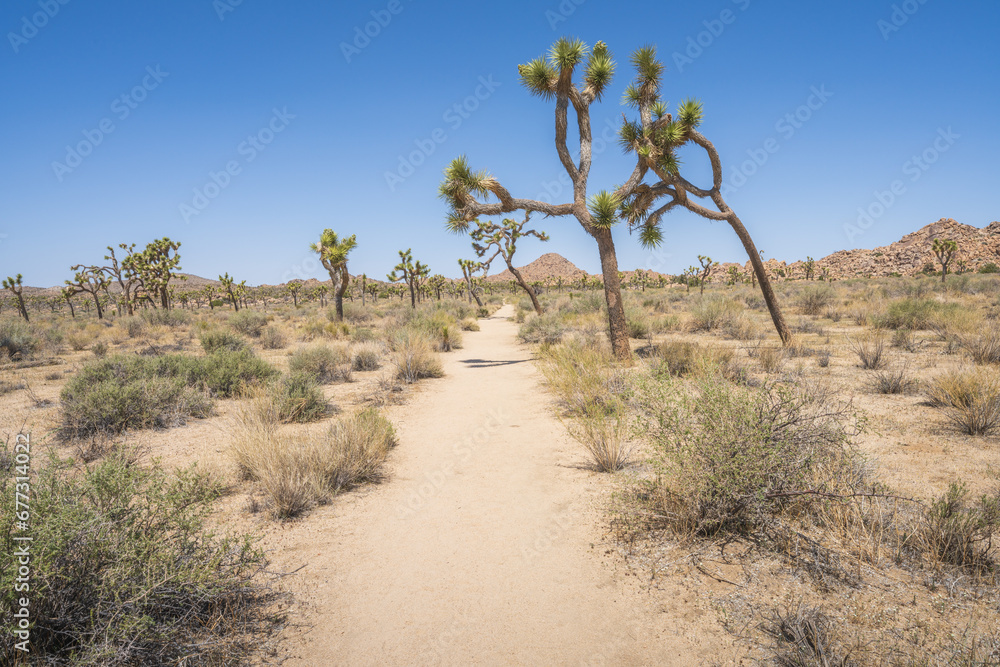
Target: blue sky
<point>243,128</point>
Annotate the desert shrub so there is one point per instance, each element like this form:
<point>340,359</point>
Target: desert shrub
<point>729,457</point>
<point>123,392</point>
<point>814,298</point>
<point>100,349</point>
<point>904,340</point>
<point>324,363</point>
<point>469,324</point>
<point>871,350</point>
<point>353,312</point>
<point>959,532</point>
<point>167,318</point>
<point>682,357</point>
<point>742,327</point>
<point>989,267</point>
<point>126,392</point>
<point>300,470</point>
<point>547,328</point>
<point>126,572</point>
<point>713,313</point>
<point>803,637</point>
<point>80,339</point>
<point>969,397</point>
<point>639,327</point>
<point>982,347</point>
<point>271,338</point>
<point>483,311</point>
<point>133,325</point>
<point>606,439</point>
<point>6,386</point>
<point>299,398</point>
<point>914,314</point>
<point>17,339</point>
<point>414,358</point>
<point>366,356</point>
<point>771,359</point>
<point>248,323</point>
<point>891,380</point>
<point>823,359</point>
<point>214,340</point>
<point>585,378</point>
<point>439,326</point>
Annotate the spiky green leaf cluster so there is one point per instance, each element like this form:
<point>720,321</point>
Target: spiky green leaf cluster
<point>460,180</point>
<point>539,77</point>
<point>567,53</point>
<point>604,209</point>
<point>690,112</point>
<point>647,67</point>
<point>651,236</point>
<point>600,70</point>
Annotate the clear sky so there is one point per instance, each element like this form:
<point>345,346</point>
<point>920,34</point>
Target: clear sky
<point>242,128</point>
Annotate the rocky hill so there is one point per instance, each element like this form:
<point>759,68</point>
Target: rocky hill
<point>548,265</point>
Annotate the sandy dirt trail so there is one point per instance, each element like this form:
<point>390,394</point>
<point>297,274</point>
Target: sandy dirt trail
<point>484,546</point>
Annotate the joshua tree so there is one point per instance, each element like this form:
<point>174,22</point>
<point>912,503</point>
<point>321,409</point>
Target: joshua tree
<point>690,275</point>
<point>227,285</point>
<point>333,252</point>
<point>410,272</point>
<point>469,268</point>
<point>706,271</point>
<point>93,281</point>
<point>945,250</point>
<point>733,276</point>
<point>67,294</point>
<point>126,275</point>
<point>293,288</point>
<point>436,283</point>
<point>655,138</point>
<point>502,239</point>
<point>14,285</point>
<point>364,286</point>
<point>155,266</point>
<point>810,266</point>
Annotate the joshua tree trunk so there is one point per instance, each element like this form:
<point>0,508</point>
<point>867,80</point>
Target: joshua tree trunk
<point>761,275</point>
<point>97,302</point>
<point>526,287</point>
<point>339,290</point>
<point>617,325</point>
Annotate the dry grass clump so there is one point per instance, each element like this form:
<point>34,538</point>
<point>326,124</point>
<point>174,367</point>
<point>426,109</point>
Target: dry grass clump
<point>982,347</point>
<point>803,636</point>
<point>871,350</point>
<point>272,338</point>
<point>683,357</point>
<point>367,356</point>
<point>324,363</point>
<point>891,380</point>
<point>469,324</point>
<point>298,470</point>
<point>815,298</point>
<point>584,377</point>
<point>771,359</point>
<point>414,358</point>
<point>970,397</point>
<point>960,531</point>
<point>713,313</point>
<point>606,439</point>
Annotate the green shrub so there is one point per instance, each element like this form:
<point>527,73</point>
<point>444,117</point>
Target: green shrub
<point>125,572</point>
<point>324,363</point>
<point>726,454</point>
<point>214,340</point>
<point>915,314</point>
<point>133,325</point>
<point>414,358</point>
<point>814,298</point>
<point>248,323</point>
<point>989,267</point>
<point>959,532</point>
<point>17,339</point>
<point>271,338</point>
<point>713,313</point>
<point>367,356</point>
<point>226,372</point>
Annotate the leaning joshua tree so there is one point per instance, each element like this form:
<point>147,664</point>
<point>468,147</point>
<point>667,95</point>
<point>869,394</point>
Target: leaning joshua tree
<point>333,252</point>
<point>944,250</point>
<point>410,272</point>
<point>706,271</point>
<point>503,237</point>
<point>93,281</point>
<point>14,285</point>
<point>654,187</point>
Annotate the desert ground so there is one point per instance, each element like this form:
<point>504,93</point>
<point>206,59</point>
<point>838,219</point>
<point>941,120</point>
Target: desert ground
<point>457,485</point>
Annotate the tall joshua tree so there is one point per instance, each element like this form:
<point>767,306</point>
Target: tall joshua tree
<point>944,250</point>
<point>333,252</point>
<point>227,283</point>
<point>410,272</point>
<point>469,268</point>
<point>503,237</point>
<point>654,138</point>
<point>706,271</point>
<point>14,285</point>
